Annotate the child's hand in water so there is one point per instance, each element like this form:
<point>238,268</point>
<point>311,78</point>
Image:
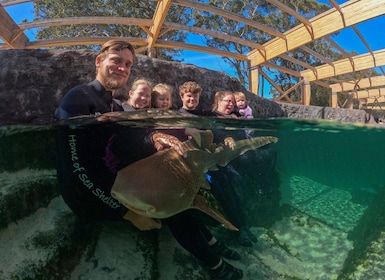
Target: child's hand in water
<point>229,142</point>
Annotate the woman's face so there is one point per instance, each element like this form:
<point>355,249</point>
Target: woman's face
<point>140,98</point>
<point>226,104</point>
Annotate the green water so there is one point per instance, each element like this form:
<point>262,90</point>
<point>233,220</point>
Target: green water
<point>342,156</point>
<point>330,171</point>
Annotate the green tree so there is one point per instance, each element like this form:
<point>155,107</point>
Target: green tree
<point>49,9</point>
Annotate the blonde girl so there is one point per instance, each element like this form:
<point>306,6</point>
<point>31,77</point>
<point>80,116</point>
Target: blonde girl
<point>243,105</point>
<point>161,96</point>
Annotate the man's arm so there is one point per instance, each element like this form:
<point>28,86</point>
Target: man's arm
<point>73,104</point>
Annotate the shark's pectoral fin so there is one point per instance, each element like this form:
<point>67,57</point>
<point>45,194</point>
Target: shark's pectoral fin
<point>225,154</point>
<point>200,203</point>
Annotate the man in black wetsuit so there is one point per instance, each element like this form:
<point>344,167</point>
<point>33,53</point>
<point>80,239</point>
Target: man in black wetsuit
<point>89,158</point>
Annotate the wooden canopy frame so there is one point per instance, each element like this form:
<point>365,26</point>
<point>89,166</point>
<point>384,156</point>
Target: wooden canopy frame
<point>339,17</point>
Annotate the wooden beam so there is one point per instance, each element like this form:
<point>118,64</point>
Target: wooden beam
<point>368,93</point>
<point>362,38</point>
<point>316,55</point>
<point>219,35</point>
<point>6,3</point>
<point>281,92</point>
<point>336,6</point>
<point>376,81</point>
<point>282,69</point>
<point>346,65</point>
<point>296,61</point>
<point>324,24</point>
<point>135,21</point>
<point>322,84</point>
<point>229,15</point>
<point>306,93</point>
<point>86,20</point>
<point>254,80</point>
<point>198,48</point>
<point>75,41</point>
<point>289,90</point>
<point>333,102</point>
<point>375,99</point>
<point>10,33</point>
<point>160,14</point>
<point>289,11</point>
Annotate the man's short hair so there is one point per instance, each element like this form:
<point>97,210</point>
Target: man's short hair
<point>116,45</point>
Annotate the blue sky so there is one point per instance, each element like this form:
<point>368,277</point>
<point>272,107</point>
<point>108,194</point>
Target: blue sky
<point>346,38</point>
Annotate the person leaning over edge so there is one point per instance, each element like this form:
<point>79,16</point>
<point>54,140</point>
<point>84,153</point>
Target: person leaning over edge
<point>91,197</point>
<point>230,201</point>
<point>190,93</point>
<point>161,96</point>
<point>139,95</point>
<point>113,67</point>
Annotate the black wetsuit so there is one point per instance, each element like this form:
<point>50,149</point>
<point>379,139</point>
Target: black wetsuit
<point>89,158</point>
<point>225,181</point>
<point>88,99</point>
<point>189,112</point>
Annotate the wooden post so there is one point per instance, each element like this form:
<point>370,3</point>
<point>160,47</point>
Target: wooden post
<point>333,99</point>
<point>306,93</point>
<point>254,80</point>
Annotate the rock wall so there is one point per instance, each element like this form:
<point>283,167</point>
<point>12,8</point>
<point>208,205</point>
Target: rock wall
<point>32,83</point>
<point>317,112</point>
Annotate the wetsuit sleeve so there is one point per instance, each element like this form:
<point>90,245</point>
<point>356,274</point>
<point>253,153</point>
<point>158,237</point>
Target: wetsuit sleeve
<point>84,176</point>
<point>74,103</point>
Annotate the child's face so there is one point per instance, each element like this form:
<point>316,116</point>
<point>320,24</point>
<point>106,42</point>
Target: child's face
<point>190,100</point>
<point>141,97</point>
<point>163,100</point>
<point>241,103</point>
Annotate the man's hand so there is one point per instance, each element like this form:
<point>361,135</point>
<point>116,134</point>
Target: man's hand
<point>142,223</point>
<point>162,140</point>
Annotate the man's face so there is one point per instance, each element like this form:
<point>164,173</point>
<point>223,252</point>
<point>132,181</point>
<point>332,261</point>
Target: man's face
<point>190,100</point>
<point>114,71</point>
